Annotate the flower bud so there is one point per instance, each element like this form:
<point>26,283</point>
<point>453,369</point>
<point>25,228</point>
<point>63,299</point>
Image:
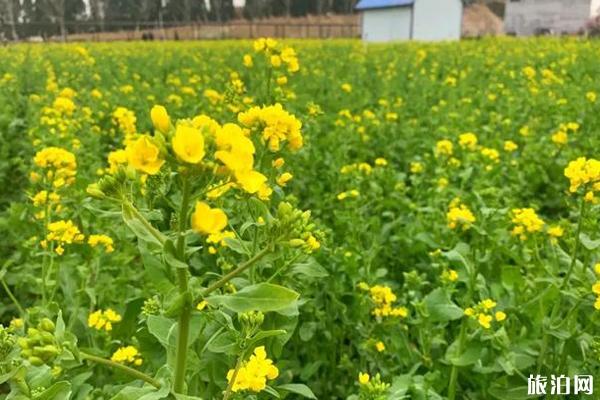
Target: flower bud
<point>35,361</point>
<point>94,191</point>
<point>47,325</point>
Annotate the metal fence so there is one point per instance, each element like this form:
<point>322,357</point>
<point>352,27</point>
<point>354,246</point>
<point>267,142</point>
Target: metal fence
<point>125,30</point>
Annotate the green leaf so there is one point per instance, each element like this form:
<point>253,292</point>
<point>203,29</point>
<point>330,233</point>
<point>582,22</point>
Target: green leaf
<point>469,356</point>
<point>156,272</point>
<point>265,334</point>
<point>144,393</point>
<point>137,227</point>
<point>298,388</point>
<point>186,397</point>
<point>160,328</point>
<point>459,255</point>
<point>588,242</point>
<point>311,268</point>
<point>59,391</point>
<point>263,297</point>
<point>272,392</point>
<point>238,246</point>
<point>170,256</point>
<point>514,393</point>
<point>59,330</point>
<point>440,306</point>
<point>511,276</point>
<point>224,342</point>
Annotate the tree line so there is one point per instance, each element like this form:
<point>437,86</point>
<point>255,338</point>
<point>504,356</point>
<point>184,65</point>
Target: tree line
<point>43,18</point>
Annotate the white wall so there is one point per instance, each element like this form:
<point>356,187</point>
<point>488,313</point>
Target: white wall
<point>386,24</point>
<point>524,17</point>
<point>437,19</point>
<point>595,8</point>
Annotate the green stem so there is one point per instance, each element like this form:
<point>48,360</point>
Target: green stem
<point>243,267</point>
<point>565,282</point>
<point>123,368</point>
<point>13,298</point>
<point>183,336</point>
<point>269,79</point>
<point>454,371</point>
<point>134,211</point>
<point>582,210</point>
<point>45,259</point>
<point>283,268</point>
<point>238,365</point>
<point>186,311</point>
<point>183,218</point>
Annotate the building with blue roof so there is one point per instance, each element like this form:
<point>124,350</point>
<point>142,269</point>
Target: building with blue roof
<point>427,20</point>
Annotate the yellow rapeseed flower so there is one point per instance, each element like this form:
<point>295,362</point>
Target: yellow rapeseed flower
<point>206,220</point>
<point>127,354</point>
<point>160,118</point>
<point>484,320</point>
<point>254,373</point>
<point>144,156</point>
<point>188,144</point>
<point>363,378</point>
<point>460,216</point>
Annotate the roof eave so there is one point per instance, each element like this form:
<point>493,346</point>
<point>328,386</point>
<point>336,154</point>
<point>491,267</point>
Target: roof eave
<point>383,7</point>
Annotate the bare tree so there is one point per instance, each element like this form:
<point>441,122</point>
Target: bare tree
<point>10,8</point>
<point>55,9</point>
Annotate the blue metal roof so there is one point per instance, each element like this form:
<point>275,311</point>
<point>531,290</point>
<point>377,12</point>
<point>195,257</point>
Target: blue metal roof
<point>370,4</point>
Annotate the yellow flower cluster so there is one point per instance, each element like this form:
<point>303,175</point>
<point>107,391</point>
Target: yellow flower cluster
<point>459,216</point>
<point>62,232</point>
<point>348,194</point>
<point>416,167</point>
<point>104,240</point>
<point>583,172</point>
<point>555,232</point>
<point>525,221</point>
<point>275,125</point>
<point>236,151</point>
<point>253,374</point>
<point>561,136</point>
<point>115,159</point>
<point>468,141</point>
<point>125,120</point>
<point>444,148</point>
<point>482,313</point>
<point>491,154</point>
<point>384,299</point>
<point>64,106</point>
<point>596,287</point>
<point>127,354</point>
<point>449,275</point>
<point>510,146</point>
<point>277,57</point>
<point>218,239</point>
<point>49,201</point>
<point>103,320</point>
<point>362,167</point>
<point>60,164</point>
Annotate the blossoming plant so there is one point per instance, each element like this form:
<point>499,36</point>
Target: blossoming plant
<point>198,197</point>
<point>216,235</point>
